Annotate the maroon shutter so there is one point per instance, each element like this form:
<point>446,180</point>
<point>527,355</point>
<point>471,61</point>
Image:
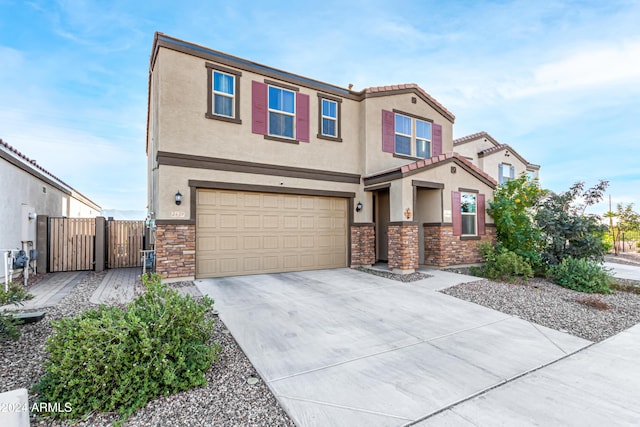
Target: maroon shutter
<point>437,140</point>
<point>388,131</point>
<point>456,216</point>
<point>481,216</point>
<point>259,111</point>
<point>302,117</point>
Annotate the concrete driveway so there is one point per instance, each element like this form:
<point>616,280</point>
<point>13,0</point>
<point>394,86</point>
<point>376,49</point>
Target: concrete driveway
<point>346,348</point>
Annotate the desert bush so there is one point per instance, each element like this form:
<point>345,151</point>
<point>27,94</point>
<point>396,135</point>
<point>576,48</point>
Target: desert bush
<point>14,295</point>
<point>513,207</point>
<point>503,264</point>
<point>582,275</point>
<point>114,359</point>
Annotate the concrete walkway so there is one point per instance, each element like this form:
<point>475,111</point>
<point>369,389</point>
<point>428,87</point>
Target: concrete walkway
<point>50,290</point>
<point>596,387</point>
<point>624,271</point>
<point>118,287</point>
<point>346,348</point>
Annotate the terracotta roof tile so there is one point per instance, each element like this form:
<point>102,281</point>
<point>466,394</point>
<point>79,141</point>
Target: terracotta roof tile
<point>422,163</point>
<point>475,136</point>
<point>415,87</point>
<point>32,162</point>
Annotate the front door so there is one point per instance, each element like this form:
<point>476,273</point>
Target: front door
<point>382,225</point>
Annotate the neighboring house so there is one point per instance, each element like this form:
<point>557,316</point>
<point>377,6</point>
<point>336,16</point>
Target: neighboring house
<point>498,160</point>
<point>29,190</point>
<point>257,170</point>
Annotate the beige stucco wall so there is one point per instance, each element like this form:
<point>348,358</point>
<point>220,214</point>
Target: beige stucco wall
<point>490,164</point>
<point>376,159</point>
<point>183,127</point>
<point>174,178</point>
<point>470,149</point>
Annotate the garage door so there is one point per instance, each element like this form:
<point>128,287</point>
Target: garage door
<point>239,232</point>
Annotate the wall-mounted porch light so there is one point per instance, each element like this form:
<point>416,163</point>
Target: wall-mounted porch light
<point>178,198</point>
<point>359,207</point>
<point>407,213</point>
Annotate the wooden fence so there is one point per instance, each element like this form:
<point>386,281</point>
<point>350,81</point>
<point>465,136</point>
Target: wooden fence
<point>75,244</point>
<point>124,243</point>
<point>71,244</point>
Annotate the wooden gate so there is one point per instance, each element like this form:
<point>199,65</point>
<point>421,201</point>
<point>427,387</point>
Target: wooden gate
<point>124,243</point>
<point>71,244</point>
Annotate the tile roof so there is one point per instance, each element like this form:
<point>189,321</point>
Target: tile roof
<point>434,161</point>
<point>413,87</point>
<point>501,147</point>
<point>31,162</point>
<point>475,136</point>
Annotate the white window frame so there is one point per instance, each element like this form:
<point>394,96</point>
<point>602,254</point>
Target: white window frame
<point>410,136</point>
<point>502,178</point>
<point>413,137</point>
<point>283,113</point>
<point>473,214</point>
<point>323,118</point>
<point>224,94</point>
<point>428,141</point>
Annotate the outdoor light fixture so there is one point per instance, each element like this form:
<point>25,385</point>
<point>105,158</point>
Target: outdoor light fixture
<point>359,207</point>
<point>178,198</point>
<point>407,213</point>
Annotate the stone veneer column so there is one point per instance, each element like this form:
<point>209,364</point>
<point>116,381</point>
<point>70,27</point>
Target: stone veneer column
<point>363,244</point>
<point>403,247</point>
<point>443,249</point>
<point>176,250</point>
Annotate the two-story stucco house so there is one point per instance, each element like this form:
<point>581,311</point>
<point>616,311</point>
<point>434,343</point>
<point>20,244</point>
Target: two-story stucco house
<point>500,161</point>
<point>252,170</point>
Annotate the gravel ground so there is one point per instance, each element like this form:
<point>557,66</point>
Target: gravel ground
<point>413,277</point>
<point>228,400</point>
<point>556,307</point>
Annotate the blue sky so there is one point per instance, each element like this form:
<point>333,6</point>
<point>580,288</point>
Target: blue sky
<point>557,80</point>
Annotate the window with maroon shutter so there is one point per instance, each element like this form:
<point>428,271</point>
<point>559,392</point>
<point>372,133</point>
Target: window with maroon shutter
<point>456,215</point>
<point>437,140</point>
<point>302,117</point>
<point>481,215</point>
<point>388,131</point>
<point>259,110</point>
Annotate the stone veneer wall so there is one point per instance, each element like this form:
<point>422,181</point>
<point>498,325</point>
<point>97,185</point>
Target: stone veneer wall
<point>176,250</point>
<point>363,244</point>
<point>442,248</point>
<point>403,246</point>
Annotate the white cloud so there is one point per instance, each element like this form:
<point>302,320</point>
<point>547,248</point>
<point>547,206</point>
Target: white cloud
<point>591,67</point>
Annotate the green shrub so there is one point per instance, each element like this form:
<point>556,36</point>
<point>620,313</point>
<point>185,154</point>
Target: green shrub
<point>502,264</point>
<point>582,275</point>
<point>114,359</point>
<point>14,295</point>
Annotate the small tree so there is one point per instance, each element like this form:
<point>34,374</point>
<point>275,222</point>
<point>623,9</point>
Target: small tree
<point>513,207</point>
<point>567,229</point>
<point>628,220</point>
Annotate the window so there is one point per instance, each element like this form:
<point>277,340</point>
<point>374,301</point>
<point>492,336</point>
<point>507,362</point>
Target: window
<point>506,172</point>
<point>223,94</point>
<point>404,136</point>
<point>423,139</point>
<point>329,118</point>
<point>281,112</point>
<point>468,204</point>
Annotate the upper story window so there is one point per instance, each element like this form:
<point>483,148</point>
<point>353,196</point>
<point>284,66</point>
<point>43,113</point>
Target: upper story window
<point>468,211</point>
<point>412,136</point>
<point>282,111</point>
<point>223,93</point>
<point>329,118</point>
<point>506,172</point>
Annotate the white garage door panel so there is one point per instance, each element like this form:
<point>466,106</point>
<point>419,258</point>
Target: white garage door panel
<point>250,233</point>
